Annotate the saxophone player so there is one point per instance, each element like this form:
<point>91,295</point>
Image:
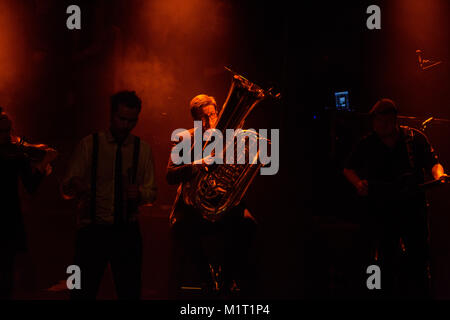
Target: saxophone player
<point>30,164</point>
<point>189,228</point>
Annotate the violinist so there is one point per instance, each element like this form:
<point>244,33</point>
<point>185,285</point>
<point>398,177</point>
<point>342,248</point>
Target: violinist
<point>30,164</point>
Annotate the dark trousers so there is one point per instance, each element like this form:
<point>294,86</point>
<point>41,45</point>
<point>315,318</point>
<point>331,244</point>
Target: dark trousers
<point>401,234</point>
<point>197,243</point>
<point>121,246</point>
<point>6,274</point>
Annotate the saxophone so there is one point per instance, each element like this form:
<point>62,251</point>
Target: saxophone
<point>217,188</point>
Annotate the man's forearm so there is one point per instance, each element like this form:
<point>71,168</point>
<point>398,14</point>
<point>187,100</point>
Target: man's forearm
<point>68,190</point>
<point>147,195</point>
<point>73,187</point>
<point>351,176</point>
<point>178,174</point>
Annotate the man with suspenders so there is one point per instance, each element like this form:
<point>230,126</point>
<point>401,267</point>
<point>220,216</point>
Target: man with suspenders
<point>111,174</point>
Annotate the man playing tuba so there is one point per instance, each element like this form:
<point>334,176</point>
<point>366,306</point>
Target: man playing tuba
<point>188,227</point>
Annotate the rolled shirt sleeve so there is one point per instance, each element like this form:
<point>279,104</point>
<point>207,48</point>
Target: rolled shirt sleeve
<point>179,173</point>
<point>148,186</point>
<point>79,164</point>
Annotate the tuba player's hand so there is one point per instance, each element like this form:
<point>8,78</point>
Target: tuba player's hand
<point>362,187</point>
<point>444,178</point>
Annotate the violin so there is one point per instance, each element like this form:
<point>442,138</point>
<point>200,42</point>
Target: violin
<point>19,149</point>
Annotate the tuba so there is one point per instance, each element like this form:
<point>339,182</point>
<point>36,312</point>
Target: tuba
<point>217,188</point>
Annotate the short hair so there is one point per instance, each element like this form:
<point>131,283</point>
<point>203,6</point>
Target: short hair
<point>4,117</point>
<point>3,114</point>
<point>200,101</point>
<point>127,98</point>
<point>383,106</point>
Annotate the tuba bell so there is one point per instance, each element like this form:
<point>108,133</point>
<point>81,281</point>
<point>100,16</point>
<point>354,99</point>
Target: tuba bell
<point>217,188</point>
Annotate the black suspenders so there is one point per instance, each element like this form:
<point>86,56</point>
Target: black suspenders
<point>132,207</point>
<point>409,146</point>
<point>137,145</point>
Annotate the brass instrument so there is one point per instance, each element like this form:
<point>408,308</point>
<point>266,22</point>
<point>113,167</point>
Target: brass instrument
<point>220,187</point>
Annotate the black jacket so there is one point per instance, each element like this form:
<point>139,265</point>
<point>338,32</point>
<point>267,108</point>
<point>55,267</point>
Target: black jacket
<point>14,166</point>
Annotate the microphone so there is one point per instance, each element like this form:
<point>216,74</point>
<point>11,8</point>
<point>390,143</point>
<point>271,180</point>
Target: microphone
<point>425,64</point>
<point>419,58</point>
<point>426,122</point>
